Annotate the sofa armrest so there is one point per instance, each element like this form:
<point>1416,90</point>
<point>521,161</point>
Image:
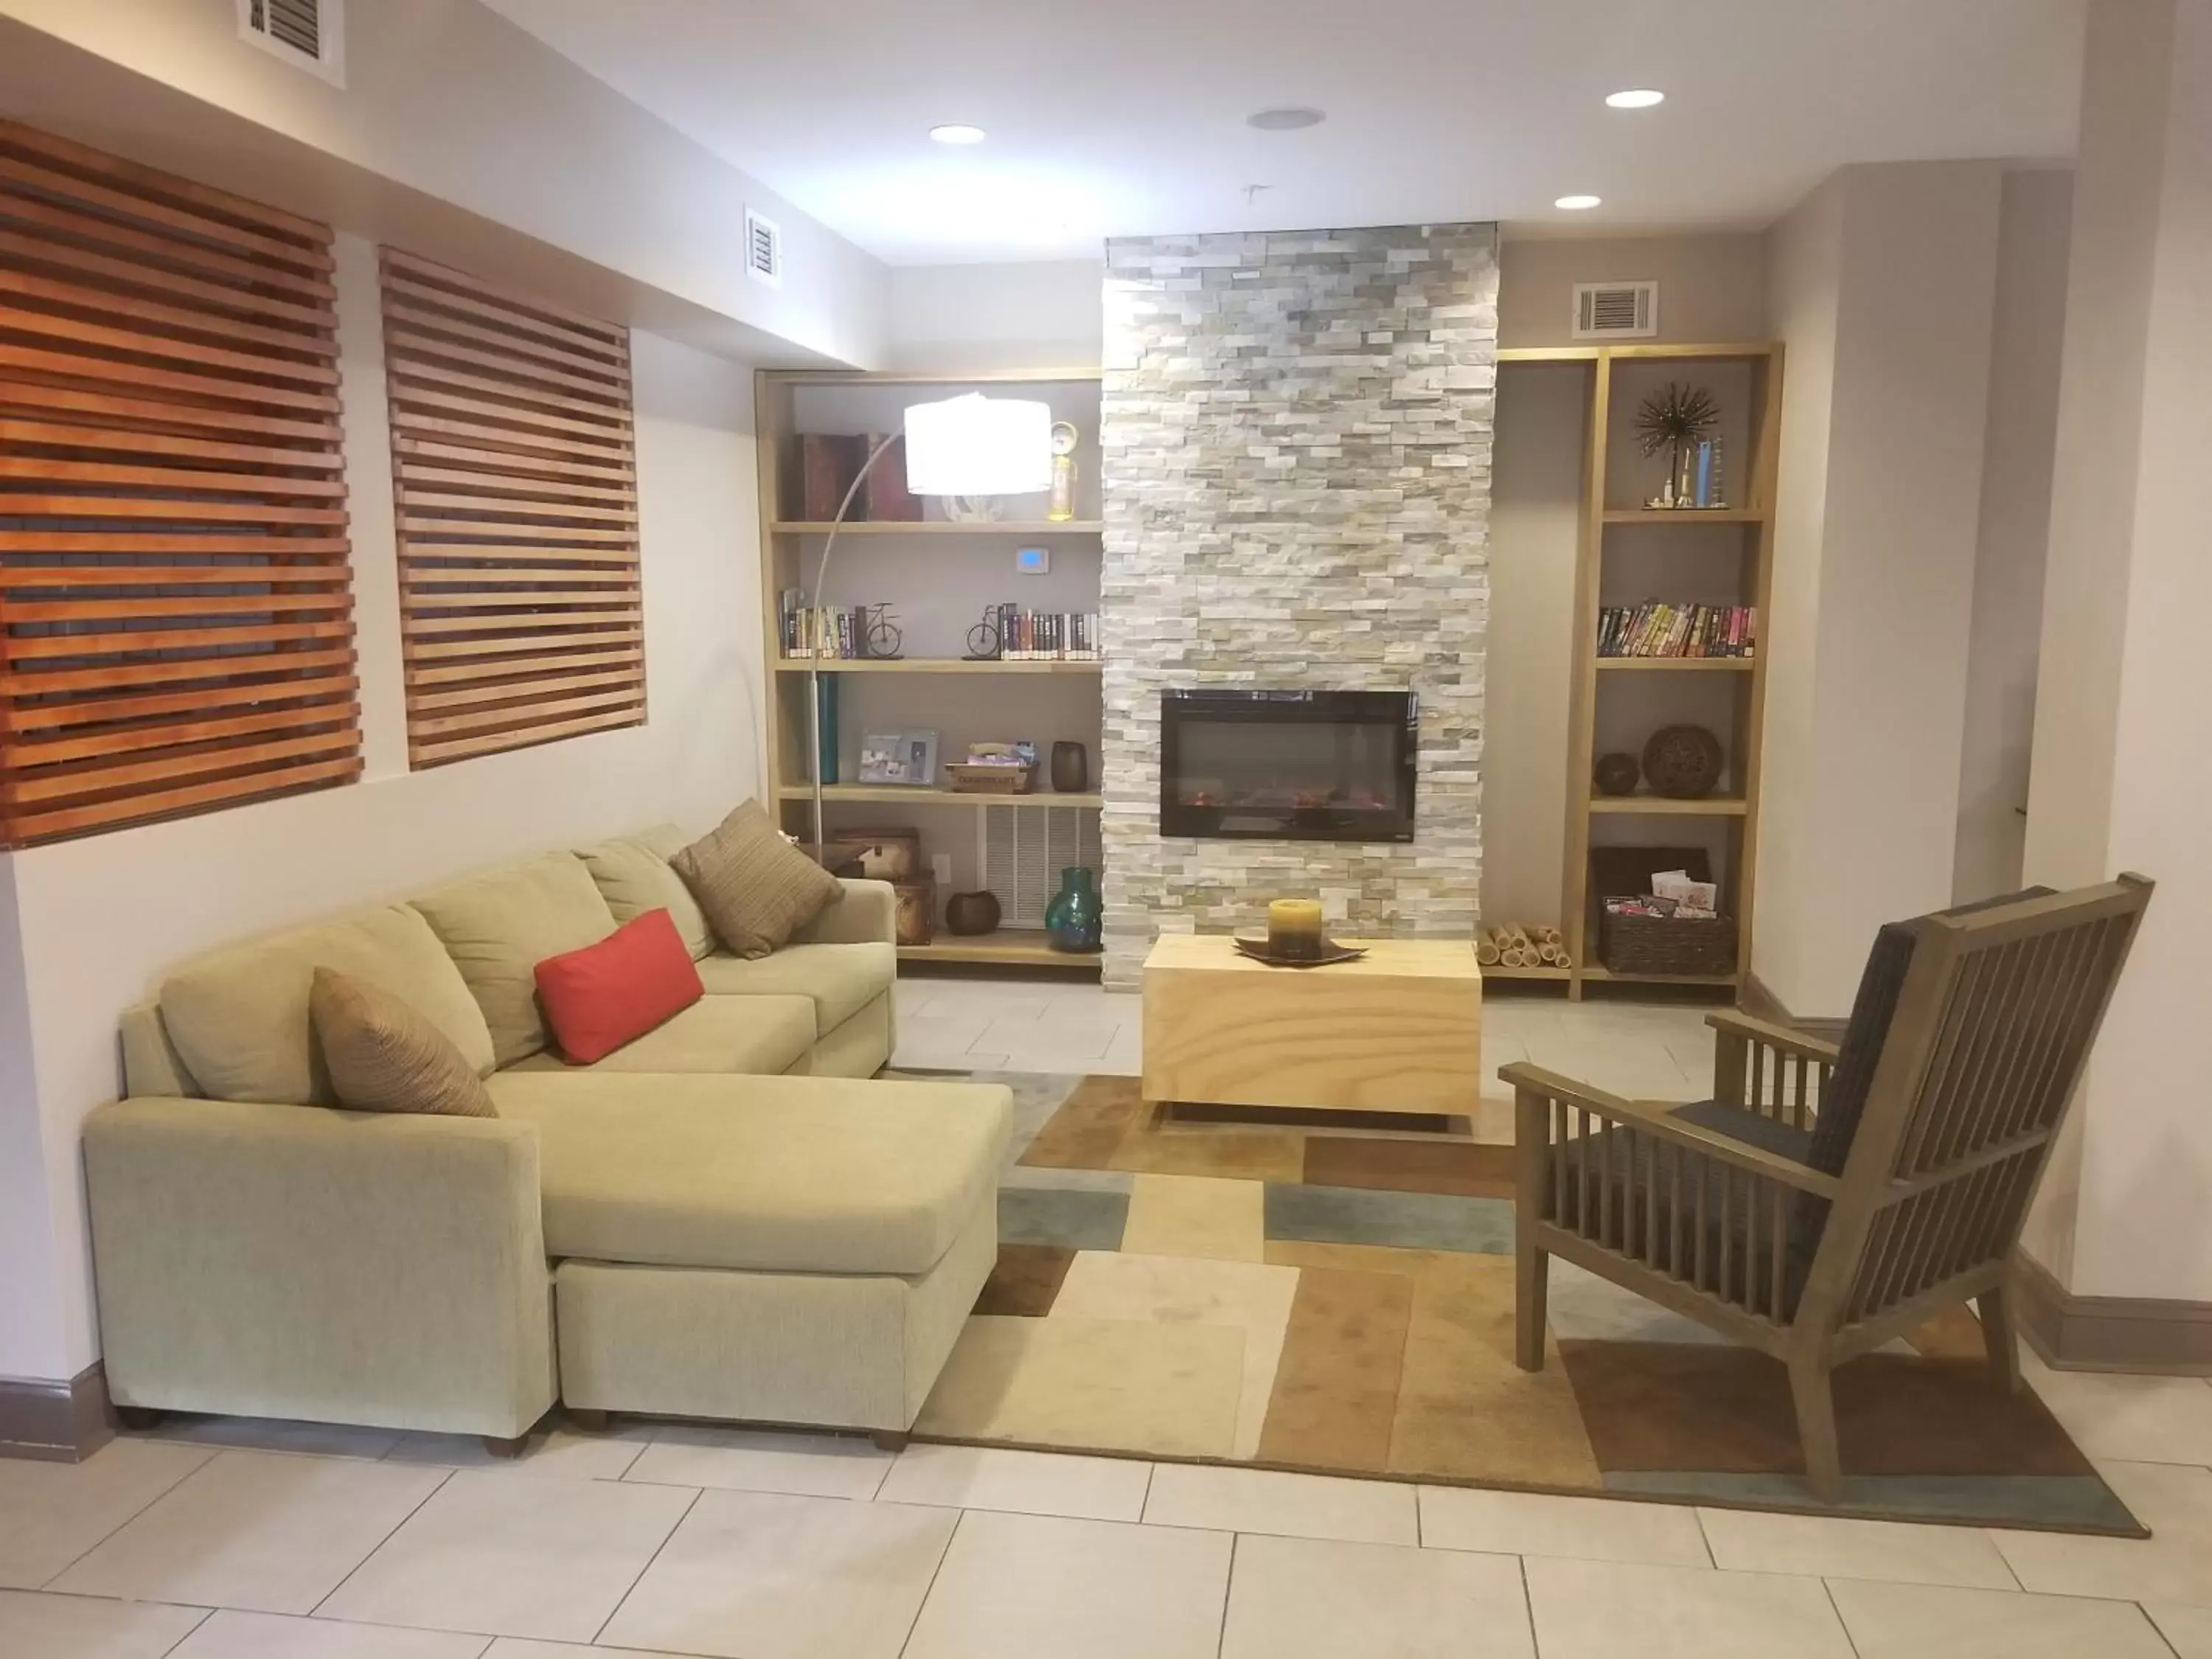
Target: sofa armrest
<point>296,1261</point>
<point>868,914</point>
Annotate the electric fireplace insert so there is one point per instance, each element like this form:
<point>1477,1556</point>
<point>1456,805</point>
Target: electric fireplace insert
<point>1239,764</point>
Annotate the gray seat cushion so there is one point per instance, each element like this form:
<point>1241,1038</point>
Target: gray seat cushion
<point>1769,1134</point>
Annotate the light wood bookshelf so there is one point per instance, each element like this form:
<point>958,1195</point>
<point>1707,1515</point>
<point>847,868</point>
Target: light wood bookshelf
<point>790,549</point>
<point>1612,535</point>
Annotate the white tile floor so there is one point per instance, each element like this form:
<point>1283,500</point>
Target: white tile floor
<point>240,1540</point>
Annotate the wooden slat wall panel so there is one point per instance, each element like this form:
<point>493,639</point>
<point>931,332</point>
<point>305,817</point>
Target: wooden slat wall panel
<point>521,617</point>
<point>176,610</point>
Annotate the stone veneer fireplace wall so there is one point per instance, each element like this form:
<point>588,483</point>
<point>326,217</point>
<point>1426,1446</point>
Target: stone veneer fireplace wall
<point>1295,452</point>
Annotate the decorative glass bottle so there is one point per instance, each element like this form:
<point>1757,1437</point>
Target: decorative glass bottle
<point>1075,918</point>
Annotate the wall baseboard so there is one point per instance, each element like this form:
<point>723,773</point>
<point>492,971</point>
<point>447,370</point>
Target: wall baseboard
<point>2112,1332</point>
<point>1762,1004</point>
<point>56,1422</point>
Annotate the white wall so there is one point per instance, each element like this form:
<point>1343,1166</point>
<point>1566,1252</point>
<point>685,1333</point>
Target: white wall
<point>1884,296</point>
<point>453,122</point>
<point>2124,706</point>
<point>1806,248</point>
<point>102,918</point>
<point>1046,314</point>
<point>2028,329</point>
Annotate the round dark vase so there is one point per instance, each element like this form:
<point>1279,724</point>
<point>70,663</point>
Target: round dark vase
<point>1616,775</point>
<point>1683,762</point>
<point>1071,769</point>
<point>1074,919</point>
<point>970,913</point>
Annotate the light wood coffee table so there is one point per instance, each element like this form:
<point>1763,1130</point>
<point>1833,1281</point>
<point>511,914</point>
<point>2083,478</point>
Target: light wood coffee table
<point>1398,1031</point>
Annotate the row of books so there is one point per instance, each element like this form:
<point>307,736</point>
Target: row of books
<point>1047,636</point>
<point>826,631</point>
<point>1657,630</point>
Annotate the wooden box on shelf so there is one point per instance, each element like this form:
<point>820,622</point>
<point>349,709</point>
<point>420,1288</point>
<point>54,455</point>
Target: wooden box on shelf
<point>882,854</point>
<point>887,499</point>
<point>965,778</point>
<point>828,464</point>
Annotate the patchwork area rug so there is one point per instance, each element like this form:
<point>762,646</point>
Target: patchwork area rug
<point>1342,1302</point>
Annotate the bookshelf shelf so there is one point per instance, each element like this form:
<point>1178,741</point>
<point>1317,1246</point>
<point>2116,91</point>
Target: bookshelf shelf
<point>1678,664</point>
<point>940,527</point>
<point>935,666</point>
<point>1711,807</point>
<point>1598,971</point>
<point>1687,515</point>
<point>914,795</point>
<point>1009,947</point>
<point>1498,970</point>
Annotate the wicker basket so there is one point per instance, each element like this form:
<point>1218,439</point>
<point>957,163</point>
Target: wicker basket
<point>1657,944</point>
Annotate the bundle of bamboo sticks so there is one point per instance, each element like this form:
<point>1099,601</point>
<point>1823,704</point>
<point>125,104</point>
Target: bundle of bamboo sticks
<point>1513,946</point>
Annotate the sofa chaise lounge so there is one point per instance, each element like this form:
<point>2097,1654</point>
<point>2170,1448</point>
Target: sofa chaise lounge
<point>726,1218</point>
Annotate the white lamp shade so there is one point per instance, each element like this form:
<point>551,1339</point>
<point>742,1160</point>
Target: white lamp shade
<point>979,446</point>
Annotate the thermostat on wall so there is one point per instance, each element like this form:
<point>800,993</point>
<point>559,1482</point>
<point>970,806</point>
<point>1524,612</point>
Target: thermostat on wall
<point>1033,561</point>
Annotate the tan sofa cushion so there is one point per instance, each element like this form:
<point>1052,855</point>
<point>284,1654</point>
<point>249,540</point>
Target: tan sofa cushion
<point>842,979</point>
<point>757,889</point>
<point>634,875</point>
<point>498,927</point>
<point>755,1036</point>
<point>385,1057</point>
<point>784,1175</point>
<point>239,1018</point>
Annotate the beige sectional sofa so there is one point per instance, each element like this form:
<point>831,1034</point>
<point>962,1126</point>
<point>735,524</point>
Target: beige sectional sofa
<point>726,1218</point>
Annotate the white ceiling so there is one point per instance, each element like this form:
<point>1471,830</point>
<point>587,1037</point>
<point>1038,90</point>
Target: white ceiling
<point>1126,116</point>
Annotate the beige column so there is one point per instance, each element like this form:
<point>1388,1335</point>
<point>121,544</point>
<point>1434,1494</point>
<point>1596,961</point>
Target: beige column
<point>2122,770</point>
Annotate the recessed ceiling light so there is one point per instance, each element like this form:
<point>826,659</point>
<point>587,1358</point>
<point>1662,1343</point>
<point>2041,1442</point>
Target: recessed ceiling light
<point>956,132</point>
<point>1577,204</point>
<point>1635,98</point>
<point>1285,120</point>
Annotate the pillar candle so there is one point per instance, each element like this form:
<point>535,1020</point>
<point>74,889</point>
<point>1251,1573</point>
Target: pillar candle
<point>1294,927</point>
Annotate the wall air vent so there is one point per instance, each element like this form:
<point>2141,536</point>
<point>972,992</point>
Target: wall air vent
<point>307,33</point>
<point>763,249</point>
<point>1616,311</point>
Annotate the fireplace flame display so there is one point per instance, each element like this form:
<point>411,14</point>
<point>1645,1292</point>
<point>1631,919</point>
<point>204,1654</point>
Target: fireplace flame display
<point>1240,764</point>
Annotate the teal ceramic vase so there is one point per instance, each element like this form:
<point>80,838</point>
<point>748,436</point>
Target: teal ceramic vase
<point>1074,917</point>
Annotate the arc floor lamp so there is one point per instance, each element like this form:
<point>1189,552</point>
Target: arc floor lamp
<point>966,446</point>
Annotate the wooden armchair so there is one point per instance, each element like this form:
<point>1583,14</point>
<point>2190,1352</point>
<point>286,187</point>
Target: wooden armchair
<point>1831,1197</point>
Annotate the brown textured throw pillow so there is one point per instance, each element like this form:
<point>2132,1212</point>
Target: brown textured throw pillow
<point>383,1056</point>
<point>757,889</point>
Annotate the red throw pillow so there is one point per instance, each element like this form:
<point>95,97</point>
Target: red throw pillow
<point>606,995</point>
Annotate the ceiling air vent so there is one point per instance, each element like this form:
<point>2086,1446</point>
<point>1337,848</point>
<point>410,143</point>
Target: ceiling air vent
<point>1616,311</point>
<point>763,249</point>
<point>308,34</point>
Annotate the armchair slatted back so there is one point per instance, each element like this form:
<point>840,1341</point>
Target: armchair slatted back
<point>1992,1023</point>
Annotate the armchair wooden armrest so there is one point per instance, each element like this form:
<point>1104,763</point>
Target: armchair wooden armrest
<point>1781,1073</point>
<point>1535,1088</point>
<point>1728,1023</point>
